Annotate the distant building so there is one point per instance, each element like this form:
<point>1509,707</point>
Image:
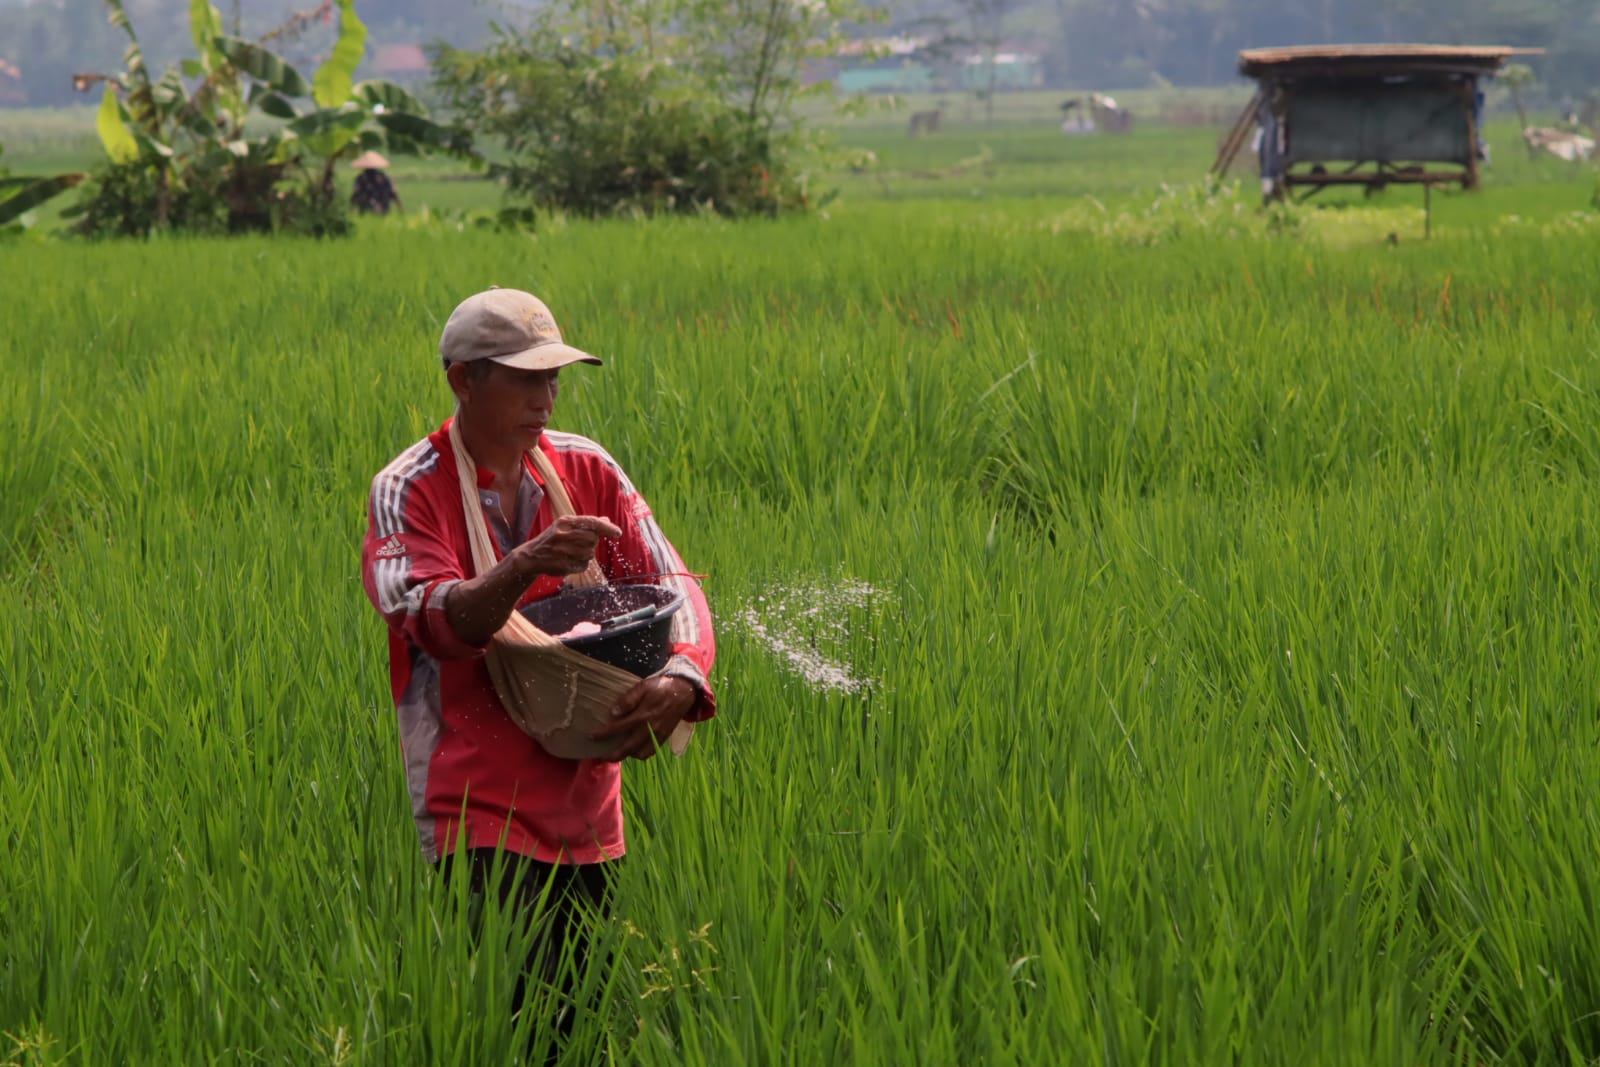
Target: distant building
<point>12,94</point>
<point>399,62</point>
<point>906,64</point>
<point>1012,71</point>
<point>902,77</point>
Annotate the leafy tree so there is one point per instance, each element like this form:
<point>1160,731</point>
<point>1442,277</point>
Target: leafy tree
<point>235,139</point>
<point>606,106</point>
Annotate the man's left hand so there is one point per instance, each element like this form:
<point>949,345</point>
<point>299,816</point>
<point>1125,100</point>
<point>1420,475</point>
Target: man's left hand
<point>646,716</point>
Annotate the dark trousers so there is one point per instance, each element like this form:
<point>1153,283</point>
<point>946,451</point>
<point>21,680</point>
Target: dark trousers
<point>562,903</point>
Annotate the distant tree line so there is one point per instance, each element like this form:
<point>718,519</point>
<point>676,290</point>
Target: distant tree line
<point>1195,41</point>
<point>1138,43</point>
<point>46,42</point>
<point>1105,43</point>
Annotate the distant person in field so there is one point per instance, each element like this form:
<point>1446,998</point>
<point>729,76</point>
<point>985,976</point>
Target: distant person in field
<point>479,784</point>
<point>374,193</point>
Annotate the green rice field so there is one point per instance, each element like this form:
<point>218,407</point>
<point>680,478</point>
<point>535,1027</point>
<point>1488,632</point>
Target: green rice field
<point>1150,630</point>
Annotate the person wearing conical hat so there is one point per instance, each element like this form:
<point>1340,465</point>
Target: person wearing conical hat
<point>374,193</point>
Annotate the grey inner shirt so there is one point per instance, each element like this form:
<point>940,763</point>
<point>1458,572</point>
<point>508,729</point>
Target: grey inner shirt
<point>529,497</point>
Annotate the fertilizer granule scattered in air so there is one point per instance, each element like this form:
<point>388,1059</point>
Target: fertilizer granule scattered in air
<point>808,628</point>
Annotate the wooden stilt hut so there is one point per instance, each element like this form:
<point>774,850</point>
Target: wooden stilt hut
<point>1368,115</point>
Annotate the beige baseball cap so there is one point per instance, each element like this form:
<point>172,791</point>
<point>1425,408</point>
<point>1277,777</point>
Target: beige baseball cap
<point>509,326</point>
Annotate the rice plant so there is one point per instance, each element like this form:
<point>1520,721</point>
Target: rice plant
<point>1219,620</point>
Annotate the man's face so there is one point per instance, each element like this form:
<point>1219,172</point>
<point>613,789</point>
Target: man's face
<point>505,405</point>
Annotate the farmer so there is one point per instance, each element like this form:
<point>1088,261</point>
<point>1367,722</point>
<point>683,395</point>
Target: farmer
<point>477,783</point>
<point>374,192</point>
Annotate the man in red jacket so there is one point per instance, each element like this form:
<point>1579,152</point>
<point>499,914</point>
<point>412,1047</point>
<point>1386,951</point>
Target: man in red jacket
<point>485,794</point>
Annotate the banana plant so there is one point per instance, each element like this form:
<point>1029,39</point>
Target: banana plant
<point>197,137</point>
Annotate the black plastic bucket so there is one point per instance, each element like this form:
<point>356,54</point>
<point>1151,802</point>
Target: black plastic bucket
<point>635,622</point>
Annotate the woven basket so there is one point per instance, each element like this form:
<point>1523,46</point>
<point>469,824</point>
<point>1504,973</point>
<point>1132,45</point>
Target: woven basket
<point>555,695</point>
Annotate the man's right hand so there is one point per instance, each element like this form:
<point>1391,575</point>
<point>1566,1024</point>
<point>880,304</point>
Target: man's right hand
<point>477,607</point>
<point>566,547</point>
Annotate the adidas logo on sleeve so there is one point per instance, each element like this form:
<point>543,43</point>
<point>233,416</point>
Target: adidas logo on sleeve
<point>390,549</point>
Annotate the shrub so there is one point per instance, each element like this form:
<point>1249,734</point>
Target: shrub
<point>640,106</point>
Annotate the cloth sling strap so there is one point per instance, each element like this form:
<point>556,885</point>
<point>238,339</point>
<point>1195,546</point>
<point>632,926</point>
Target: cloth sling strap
<point>554,694</point>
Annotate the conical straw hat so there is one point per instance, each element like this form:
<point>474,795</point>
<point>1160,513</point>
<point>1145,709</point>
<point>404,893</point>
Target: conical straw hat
<point>368,160</point>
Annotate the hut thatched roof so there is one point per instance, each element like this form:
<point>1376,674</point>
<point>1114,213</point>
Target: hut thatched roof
<point>1376,59</point>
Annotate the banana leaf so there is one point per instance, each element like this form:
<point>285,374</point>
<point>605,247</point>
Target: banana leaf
<point>194,119</point>
<point>331,86</point>
<point>388,96</point>
<point>270,102</point>
<point>263,66</point>
<point>119,143</point>
<point>205,26</point>
<point>36,192</point>
<point>329,131</point>
<point>149,147</point>
<point>426,132</point>
<point>170,92</point>
<point>327,119</point>
<point>133,58</point>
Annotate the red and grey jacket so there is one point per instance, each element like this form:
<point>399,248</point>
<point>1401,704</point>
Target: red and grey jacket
<point>470,771</point>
